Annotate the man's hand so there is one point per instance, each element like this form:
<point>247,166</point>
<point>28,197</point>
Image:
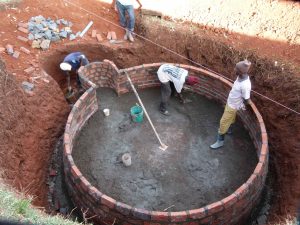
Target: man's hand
<point>140,5</point>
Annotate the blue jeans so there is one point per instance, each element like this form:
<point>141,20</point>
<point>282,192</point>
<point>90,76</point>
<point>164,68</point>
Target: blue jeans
<point>122,9</point>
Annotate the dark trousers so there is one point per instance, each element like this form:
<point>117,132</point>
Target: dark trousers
<point>166,90</point>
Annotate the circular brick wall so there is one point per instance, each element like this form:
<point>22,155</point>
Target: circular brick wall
<point>233,209</point>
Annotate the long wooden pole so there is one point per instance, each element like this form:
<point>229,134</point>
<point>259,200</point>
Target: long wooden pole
<point>162,145</point>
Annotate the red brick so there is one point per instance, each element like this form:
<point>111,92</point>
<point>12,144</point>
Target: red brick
<point>191,223</point>
<point>16,54</point>
<point>99,38</point>
<point>241,192</point>
<point>94,33</point>
<point>258,168</point>
<point>197,213</point>
<point>2,49</point>
<point>264,138</point>
<point>22,39</point>
<point>160,216</point>
<point>24,30</point>
<point>75,172</point>
<point>113,35</point>
<point>29,70</point>
<point>108,36</point>
<point>178,216</point>
<point>25,50</point>
<point>215,207</point>
<point>108,201</point>
<point>24,25</point>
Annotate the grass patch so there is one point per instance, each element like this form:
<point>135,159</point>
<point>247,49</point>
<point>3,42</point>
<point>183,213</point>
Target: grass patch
<point>289,221</point>
<point>17,207</point>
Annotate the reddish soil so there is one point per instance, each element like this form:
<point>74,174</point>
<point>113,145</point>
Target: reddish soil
<point>30,125</point>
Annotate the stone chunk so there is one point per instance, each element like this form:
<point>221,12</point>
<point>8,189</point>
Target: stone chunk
<point>48,34</point>
<point>94,33</point>
<point>16,54</point>
<point>22,38</point>
<point>45,44</point>
<point>27,86</point>
<point>63,34</point>
<point>113,35</point>
<point>99,38</point>
<point>36,44</point>
<point>24,30</point>
<point>55,38</point>
<point>72,37</point>
<point>38,36</point>
<point>29,70</point>
<point>9,49</point>
<point>25,50</point>
<point>30,36</point>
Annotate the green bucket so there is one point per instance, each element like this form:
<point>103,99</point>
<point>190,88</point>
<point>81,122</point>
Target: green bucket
<point>137,114</point>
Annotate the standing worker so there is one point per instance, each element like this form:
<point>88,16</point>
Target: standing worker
<point>123,6</point>
<point>173,77</point>
<point>238,98</point>
<point>72,63</point>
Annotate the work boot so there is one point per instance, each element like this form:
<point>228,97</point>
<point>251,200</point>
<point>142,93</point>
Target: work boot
<point>219,143</point>
<point>164,112</point>
<point>130,37</point>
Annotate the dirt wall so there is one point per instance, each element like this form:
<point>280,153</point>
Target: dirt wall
<point>29,127</point>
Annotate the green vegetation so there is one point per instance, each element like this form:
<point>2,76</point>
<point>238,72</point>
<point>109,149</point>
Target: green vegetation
<point>289,221</point>
<point>15,206</point>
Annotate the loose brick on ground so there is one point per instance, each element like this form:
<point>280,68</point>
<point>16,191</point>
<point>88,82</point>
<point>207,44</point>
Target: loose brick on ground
<point>22,29</point>
<point>109,35</point>
<point>29,70</point>
<point>94,33</point>
<point>25,50</point>
<point>113,35</point>
<point>99,38</point>
<point>22,38</point>
<point>16,54</point>
<point>2,49</point>
<point>24,25</point>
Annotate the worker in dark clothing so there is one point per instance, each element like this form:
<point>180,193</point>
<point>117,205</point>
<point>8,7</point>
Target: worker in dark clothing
<point>72,63</point>
<point>172,76</point>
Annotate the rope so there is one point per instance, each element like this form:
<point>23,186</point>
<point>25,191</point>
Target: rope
<point>181,56</point>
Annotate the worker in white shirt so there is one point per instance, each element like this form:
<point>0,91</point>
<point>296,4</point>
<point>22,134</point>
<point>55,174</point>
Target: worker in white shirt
<point>238,98</point>
<point>123,7</point>
<point>176,77</point>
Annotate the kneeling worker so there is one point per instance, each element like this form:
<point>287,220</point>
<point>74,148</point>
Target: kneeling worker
<point>238,97</point>
<point>73,62</point>
<point>170,75</point>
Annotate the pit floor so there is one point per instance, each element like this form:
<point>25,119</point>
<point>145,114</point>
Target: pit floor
<point>187,175</point>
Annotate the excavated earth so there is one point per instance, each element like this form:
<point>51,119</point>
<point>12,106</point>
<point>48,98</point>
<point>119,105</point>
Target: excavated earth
<point>31,123</point>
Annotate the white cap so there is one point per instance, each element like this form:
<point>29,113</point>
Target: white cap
<point>65,66</point>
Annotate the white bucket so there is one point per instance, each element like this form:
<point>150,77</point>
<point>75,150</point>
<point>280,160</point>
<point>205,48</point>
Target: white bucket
<point>106,112</point>
<point>126,159</point>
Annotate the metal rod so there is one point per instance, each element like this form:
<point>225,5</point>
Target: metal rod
<point>86,28</point>
<point>162,145</point>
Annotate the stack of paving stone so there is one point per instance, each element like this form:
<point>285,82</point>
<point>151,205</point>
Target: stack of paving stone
<point>43,31</point>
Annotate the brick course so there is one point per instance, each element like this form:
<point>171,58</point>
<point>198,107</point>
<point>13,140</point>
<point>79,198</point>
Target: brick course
<point>231,210</point>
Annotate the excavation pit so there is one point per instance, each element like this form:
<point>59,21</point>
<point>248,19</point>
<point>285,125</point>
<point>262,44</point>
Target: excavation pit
<point>186,183</point>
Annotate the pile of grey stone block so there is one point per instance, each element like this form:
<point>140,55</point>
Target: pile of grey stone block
<point>42,31</point>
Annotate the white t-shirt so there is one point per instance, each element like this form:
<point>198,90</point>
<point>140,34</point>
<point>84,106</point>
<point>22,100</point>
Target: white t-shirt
<point>167,72</point>
<point>240,91</point>
<point>126,2</point>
